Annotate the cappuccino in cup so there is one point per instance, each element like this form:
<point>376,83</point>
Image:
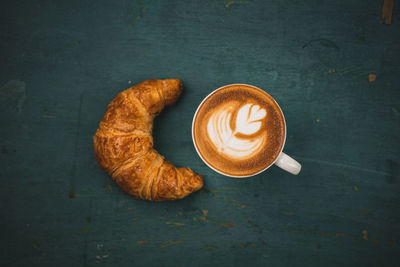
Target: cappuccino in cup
<point>239,131</point>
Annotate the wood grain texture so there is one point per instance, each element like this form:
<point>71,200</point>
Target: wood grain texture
<point>64,61</point>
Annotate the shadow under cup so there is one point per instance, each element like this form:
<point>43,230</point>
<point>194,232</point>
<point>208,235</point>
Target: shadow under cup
<point>239,130</point>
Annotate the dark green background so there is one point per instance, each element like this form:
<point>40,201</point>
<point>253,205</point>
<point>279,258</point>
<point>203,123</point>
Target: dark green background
<point>62,62</point>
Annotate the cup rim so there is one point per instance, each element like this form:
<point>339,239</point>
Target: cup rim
<point>199,154</point>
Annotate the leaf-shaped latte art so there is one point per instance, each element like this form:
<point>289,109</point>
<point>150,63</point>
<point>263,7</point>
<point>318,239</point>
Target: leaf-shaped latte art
<point>248,119</point>
<point>248,122</point>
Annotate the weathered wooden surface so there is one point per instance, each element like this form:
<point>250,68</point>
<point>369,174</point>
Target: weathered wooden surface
<point>331,65</point>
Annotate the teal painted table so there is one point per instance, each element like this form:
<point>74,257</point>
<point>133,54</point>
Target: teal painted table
<point>331,65</point>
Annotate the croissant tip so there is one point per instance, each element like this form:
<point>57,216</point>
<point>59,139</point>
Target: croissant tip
<point>172,89</point>
<point>173,82</point>
<point>199,180</point>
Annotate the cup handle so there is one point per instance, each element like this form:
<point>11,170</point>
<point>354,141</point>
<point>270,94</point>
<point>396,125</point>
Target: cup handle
<point>288,164</point>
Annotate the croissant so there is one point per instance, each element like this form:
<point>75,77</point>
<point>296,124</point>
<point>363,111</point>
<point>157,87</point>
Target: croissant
<point>123,144</point>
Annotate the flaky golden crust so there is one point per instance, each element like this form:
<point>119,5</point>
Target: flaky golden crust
<point>123,144</point>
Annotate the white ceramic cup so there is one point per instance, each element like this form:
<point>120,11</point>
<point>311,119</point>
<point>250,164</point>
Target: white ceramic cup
<point>283,161</point>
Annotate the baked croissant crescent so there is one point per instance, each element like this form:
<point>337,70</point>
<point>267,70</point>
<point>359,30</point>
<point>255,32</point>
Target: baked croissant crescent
<point>123,144</point>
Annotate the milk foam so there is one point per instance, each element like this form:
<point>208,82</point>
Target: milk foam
<point>240,141</point>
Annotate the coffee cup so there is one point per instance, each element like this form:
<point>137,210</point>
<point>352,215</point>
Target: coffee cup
<point>239,131</point>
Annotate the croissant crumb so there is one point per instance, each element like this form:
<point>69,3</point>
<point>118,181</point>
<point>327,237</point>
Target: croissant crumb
<point>123,144</point>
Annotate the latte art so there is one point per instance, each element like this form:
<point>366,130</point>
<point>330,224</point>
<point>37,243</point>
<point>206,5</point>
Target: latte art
<point>241,140</point>
<point>238,130</point>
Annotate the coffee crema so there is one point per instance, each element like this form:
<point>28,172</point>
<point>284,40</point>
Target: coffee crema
<point>239,130</point>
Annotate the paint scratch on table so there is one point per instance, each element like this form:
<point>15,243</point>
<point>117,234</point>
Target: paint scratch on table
<point>321,42</point>
<point>228,224</point>
<point>140,242</point>
<point>175,223</point>
<point>343,165</point>
<point>387,12</point>
<point>365,234</point>
<point>237,2</point>
<point>172,243</point>
<point>339,71</point>
<point>355,71</point>
<point>211,247</point>
<point>101,258</point>
<point>371,77</point>
<point>205,212</point>
<point>223,198</point>
<point>246,245</point>
<point>49,116</point>
<point>237,204</point>
<point>204,219</point>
